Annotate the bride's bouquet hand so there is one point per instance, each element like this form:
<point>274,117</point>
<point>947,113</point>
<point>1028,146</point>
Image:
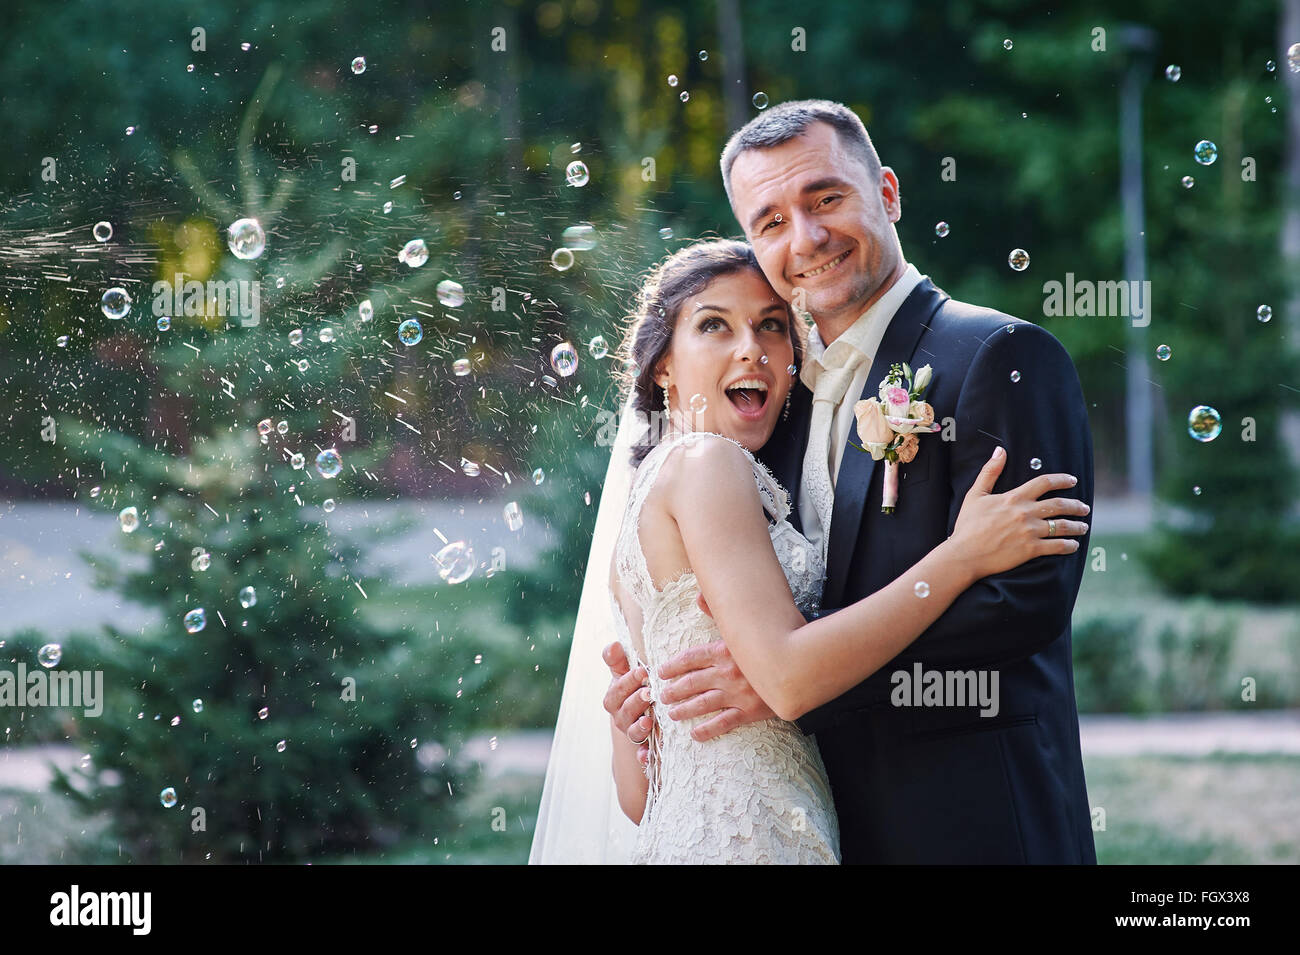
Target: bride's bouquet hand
<point>996,532</point>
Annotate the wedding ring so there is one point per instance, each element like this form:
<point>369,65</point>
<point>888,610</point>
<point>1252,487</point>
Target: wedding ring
<point>1051,528</point>
<point>640,742</point>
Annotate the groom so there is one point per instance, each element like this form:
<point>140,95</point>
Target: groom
<point>919,774</point>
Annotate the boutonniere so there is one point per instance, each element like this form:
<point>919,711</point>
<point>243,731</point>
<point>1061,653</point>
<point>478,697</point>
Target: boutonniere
<point>890,426</point>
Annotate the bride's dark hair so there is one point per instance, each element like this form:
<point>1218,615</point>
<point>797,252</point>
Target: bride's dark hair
<point>665,288</point>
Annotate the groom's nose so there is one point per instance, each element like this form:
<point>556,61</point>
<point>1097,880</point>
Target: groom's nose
<point>809,236</point>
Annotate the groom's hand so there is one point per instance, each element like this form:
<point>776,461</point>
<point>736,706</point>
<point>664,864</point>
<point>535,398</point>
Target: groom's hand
<point>704,680</point>
<point>625,702</point>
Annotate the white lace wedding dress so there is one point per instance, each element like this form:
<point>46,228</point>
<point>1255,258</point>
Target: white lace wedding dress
<point>759,793</point>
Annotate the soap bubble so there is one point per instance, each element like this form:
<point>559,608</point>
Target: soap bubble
<point>263,713</point>
<point>203,561</point>
<point>167,797</point>
<point>359,65</point>
<point>303,364</point>
<point>129,518</point>
<point>580,238</point>
<point>1007,44</point>
<point>329,463</point>
<point>760,100</point>
<point>1188,182</point>
<point>470,468</point>
<point>103,231</point>
<point>1173,73</point>
<point>366,310</point>
<point>196,620</point>
<point>396,181</point>
<point>1206,152</point>
<point>665,233</point>
<point>246,238</point>
<point>328,505</point>
<point>415,253</point>
<point>61,341</point>
<point>295,336</point>
<point>672,79</point>
<point>562,259</point>
<point>326,335</point>
<point>564,359</point>
<point>1015,377</point>
<point>280,746</point>
<point>699,403</point>
<point>941,229</point>
<point>1204,423</point>
<point>115,303</point>
<point>247,597</point>
<point>460,367</point>
<point>1018,259</point>
<point>704,55</point>
<point>410,332</point>
<point>1164,352</point>
<point>1197,490</point>
<point>921,589</point>
<point>49,655</point>
<point>1293,57</point>
<point>163,323</point>
<point>198,706</point>
<point>684,96</point>
<point>282,427</point>
<point>1264,313</point>
<point>598,347</point>
<point>577,174</point>
<point>539,476</point>
<point>451,294</point>
<point>514,516</point>
<point>1035,464</point>
<point>455,562</point>
<point>296,461</point>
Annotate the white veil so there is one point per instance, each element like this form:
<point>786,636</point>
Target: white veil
<point>579,820</point>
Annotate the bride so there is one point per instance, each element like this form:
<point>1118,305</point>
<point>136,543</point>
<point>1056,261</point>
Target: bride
<point>704,550</point>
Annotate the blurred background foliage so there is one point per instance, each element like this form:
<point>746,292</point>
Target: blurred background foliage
<point>482,137</point>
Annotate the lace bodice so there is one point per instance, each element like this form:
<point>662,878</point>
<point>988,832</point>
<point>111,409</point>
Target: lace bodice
<point>758,793</point>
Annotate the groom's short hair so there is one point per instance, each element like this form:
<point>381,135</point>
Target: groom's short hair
<point>784,122</point>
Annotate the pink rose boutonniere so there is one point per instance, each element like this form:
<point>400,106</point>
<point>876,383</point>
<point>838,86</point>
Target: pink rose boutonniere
<point>890,425</point>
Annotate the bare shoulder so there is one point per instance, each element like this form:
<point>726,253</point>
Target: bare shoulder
<point>708,471</point>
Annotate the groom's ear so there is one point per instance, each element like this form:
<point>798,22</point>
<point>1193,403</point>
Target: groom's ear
<point>889,194</point>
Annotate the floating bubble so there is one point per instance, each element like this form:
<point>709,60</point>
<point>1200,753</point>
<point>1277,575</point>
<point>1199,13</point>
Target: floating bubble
<point>1293,57</point>
<point>1164,352</point>
<point>921,588</point>
<point>129,518</point>
<point>49,655</point>
<point>598,347</point>
<point>280,746</point>
<point>1018,259</point>
<point>1173,73</point>
<point>539,476</point>
<point>455,562</point>
<point>564,359</point>
<point>1204,423</point>
<point>672,79</point>
<point>1188,182</point>
<point>415,253</point>
<point>196,620</point>
<point>514,516</point>
<point>1270,66</point>
<point>759,100</point>
<point>460,367</point>
<point>1206,152</point>
<point>1015,377</point>
<point>176,721</point>
<point>698,403</point>
<point>388,207</point>
<point>562,260</point>
<point>326,334</point>
<point>329,463</point>
<point>282,427</point>
<point>189,68</point>
<point>163,323</point>
<point>1035,464</point>
<point>102,231</point>
<point>451,294</point>
<point>665,233</point>
<point>580,238</point>
<point>576,174</point>
<point>704,55</point>
<point>198,706</point>
<point>296,461</point>
<point>366,310</point>
<point>792,369</point>
<point>372,129</point>
<point>203,561</point>
<point>470,468</point>
<point>61,341</point>
<point>1264,313</point>
<point>246,238</point>
<point>167,797</point>
<point>295,336</point>
<point>328,505</point>
<point>247,597</point>
<point>455,195</point>
<point>1197,490</point>
<point>1007,44</point>
<point>684,96</point>
<point>263,713</point>
<point>115,303</point>
<point>941,229</point>
<point>410,332</point>
<point>130,130</point>
<point>303,364</point>
<point>359,65</point>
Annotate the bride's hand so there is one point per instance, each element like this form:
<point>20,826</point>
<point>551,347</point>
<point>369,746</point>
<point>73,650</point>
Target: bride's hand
<point>996,532</point>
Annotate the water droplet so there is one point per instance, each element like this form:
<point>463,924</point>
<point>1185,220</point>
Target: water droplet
<point>564,359</point>
<point>130,130</point>
<point>941,229</point>
<point>759,100</point>
<point>580,238</point>
<point>189,68</point>
<point>326,334</point>
<point>455,562</point>
<point>704,55</point>
<point>163,323</point>
<point>372,129</point>
<point>470,468</point>
<point>665,233</point>
<point>684,96</point>
<point>328,505</point>
<point>698,403</point>
<point>247,597</point>
<point>167,797</point>
<point>394,183</point>
<point>415,253</point>
<point>103,231</point>
<point>921,589</point>
<point>1015,377</point>
<point>198,706</point>
<point>1206,152</point>
<point>1164,352</point>
<point>1264,313</point>
<point>514,516</point>
<point>562,259</point>
<point>460,367</point>
<point>203,561</point>
<point>263,713</point>
<point>410,332</point>
<point>1188,182</point>
<point>115,303</point>
<point>1018,259</point>
<point>672,79</point>
<point>295,336</point>
<point>196,620</point>
<point>129,518</point>
<point>598,347</point>
<point>359,65</point>
<point>49,655</point>
<point>246,238</point>
<point>455,195</point>
<point>576,174</point>
<point>176,721</point>
<point>1204,423</point>
<point>451,294</point>
<point>282,427</point>
<point>296,461</point>
<point>1270,66</point>
<point>1197,490</point>
<point>1035,464</point>
<point>366,310</point>
<point>1173,73</point>
<point>792,369</point>
<point>303,364</point>
<point>329,463</point>
<point>61,341</point>
<point>280,746</point>
<point>539,476</point>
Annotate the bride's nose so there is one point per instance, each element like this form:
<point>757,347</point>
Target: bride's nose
<point>749,349</point>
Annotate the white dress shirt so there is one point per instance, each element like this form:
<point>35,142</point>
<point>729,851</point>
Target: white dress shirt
<point>864,337</point>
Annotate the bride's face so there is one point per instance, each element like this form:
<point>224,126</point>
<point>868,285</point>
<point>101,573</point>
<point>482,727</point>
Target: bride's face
<point>734,332</point>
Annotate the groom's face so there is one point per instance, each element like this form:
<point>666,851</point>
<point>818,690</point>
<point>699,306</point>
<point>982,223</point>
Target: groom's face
<point>822,228</point>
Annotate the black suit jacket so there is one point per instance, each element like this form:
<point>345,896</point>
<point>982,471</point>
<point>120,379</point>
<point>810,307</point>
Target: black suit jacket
<point>943,784</point>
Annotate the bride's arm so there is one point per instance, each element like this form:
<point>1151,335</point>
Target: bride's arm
<point>794,665</point>
<point>629,776</point>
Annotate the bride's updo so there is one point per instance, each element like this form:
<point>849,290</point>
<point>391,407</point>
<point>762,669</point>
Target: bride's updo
<point>685,273</point>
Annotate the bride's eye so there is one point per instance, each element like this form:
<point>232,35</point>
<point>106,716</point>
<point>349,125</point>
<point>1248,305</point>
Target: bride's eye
<point>776,324</point>
<point>706,325</point>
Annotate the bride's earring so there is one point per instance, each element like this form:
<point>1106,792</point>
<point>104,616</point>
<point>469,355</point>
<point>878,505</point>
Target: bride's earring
<point>665,397</point>
<point>786,413</point>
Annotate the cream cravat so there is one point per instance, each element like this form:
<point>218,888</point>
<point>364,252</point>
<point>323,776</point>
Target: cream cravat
<point>828,392</point>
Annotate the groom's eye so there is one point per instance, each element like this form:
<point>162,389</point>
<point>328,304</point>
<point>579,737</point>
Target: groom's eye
<point>826,199</point>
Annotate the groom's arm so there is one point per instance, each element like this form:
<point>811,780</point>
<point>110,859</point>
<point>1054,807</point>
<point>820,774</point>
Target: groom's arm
<point>1015,614</point>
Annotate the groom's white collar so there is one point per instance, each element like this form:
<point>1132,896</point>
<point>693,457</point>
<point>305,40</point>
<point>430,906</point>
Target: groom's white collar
<point>865,334</point>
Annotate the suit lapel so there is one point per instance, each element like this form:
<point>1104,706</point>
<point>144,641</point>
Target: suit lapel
<point>856,467</point>
<point>784,451</point>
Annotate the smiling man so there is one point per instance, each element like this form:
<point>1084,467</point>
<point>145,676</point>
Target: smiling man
<point>941,783</point>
